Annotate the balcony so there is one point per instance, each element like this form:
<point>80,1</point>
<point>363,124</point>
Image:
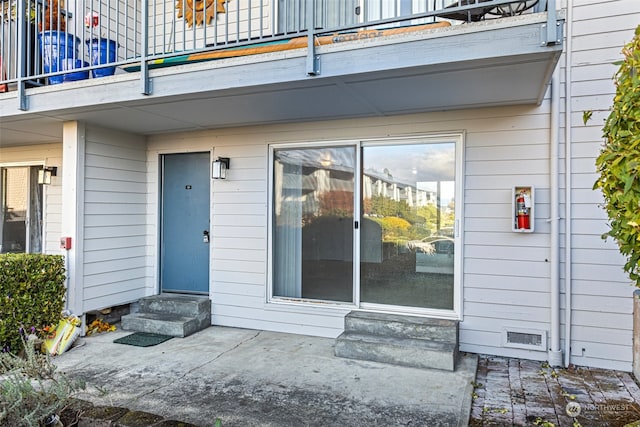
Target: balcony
<point>163,66</point>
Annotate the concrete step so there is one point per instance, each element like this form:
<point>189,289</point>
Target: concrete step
<point>182,305</point>
<point>165,323</point>
<point>400,326</point>
<point>415,353</point>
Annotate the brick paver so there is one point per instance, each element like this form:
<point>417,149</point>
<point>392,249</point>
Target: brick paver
<point>526,393</point>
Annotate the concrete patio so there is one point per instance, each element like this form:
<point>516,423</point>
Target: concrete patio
<point>258,378</point>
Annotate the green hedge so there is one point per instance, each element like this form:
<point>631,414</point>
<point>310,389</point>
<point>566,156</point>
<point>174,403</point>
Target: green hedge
<point>619,160</point>
<point>32,292</point>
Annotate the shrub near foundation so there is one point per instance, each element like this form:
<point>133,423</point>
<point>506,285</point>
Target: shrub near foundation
<point>619,161</point>
<point>31,296</point>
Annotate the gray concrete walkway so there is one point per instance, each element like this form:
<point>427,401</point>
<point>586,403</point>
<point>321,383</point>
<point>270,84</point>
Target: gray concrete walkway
<point>257,378</point>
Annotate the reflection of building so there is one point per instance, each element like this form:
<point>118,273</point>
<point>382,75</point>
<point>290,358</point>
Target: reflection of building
<point>380,184</point>
<point>307,179</point>
<point>319,184</point>
<point>14,193</point>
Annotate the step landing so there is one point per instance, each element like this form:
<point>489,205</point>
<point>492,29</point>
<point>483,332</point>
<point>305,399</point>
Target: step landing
<point>173,315</point>
<point>399,340</point>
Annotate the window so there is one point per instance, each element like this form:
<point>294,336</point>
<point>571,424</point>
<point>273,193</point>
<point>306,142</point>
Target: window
<point>370,224</point>
<point>20,210</point>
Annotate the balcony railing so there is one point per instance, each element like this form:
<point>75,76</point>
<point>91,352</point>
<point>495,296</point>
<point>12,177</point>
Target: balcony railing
<point>44,42</point>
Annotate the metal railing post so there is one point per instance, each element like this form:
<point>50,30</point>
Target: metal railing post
<point>313,61</point>
<point>21,54</point>
<point>553,34</point>
<point>144,43</point>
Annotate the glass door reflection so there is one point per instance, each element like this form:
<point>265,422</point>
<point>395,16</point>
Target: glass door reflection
<point>407,234</point>
<point>313,216</point>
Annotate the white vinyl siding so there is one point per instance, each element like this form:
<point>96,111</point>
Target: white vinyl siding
<point>115,256</point>
<point>52,217</point>
<point>239,216</point>
<point>49,155</point>
<point>239,235</point>
<point>602,303</point>
<point>506,275</point>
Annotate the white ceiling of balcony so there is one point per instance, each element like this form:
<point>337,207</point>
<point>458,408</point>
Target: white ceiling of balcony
<point>500,62</point>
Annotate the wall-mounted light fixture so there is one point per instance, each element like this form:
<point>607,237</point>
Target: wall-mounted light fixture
<point>45,174</point>
<point>220,167</point>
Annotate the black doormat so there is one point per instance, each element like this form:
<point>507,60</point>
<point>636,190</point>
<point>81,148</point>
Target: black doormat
<point>143,339</point>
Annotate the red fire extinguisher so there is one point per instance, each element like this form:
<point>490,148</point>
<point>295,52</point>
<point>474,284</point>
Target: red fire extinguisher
<point>522,212</point>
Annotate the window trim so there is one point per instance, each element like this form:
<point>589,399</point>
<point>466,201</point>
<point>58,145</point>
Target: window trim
<point>28,164</point>
<point>270,298</point>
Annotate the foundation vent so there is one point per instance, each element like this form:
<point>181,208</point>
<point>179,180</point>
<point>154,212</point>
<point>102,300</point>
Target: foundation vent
<point>527,339</point>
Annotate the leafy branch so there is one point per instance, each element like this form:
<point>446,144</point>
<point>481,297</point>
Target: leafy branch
<point>618,164</point>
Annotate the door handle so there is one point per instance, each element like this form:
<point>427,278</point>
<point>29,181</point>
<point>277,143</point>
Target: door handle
<point>205,236</point>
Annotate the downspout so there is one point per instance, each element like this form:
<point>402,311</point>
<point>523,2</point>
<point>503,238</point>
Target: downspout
<point>555,353</point>
<point>568,185</point>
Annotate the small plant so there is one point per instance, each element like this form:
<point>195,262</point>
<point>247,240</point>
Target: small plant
<point>104,394</point>
<point>488,410</point>
<point>31,390</point>
<point>544,423</point>
<point>476,385</point>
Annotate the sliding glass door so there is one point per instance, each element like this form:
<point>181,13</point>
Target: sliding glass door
<point>292,14</point>
<point>313,217</point>
<point>408,215</point>
<point>372,224</point>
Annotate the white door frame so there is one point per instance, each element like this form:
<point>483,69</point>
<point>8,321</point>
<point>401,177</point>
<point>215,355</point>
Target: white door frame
<point>458,139</point>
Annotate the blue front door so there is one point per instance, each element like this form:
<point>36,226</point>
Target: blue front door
<point>184,253</point>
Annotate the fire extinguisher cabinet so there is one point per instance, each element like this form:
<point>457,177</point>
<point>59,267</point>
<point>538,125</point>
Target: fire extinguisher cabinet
<point>523,209</point>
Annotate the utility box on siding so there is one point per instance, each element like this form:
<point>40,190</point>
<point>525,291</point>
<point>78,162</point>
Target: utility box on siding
<point>523,209</point>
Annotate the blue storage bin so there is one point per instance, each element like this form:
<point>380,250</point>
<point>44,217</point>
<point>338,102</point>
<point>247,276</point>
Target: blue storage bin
<point>59,51</point>
<point>102,51</point>
<point>72,64</point>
